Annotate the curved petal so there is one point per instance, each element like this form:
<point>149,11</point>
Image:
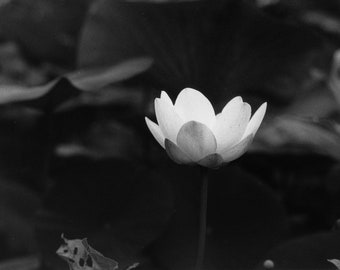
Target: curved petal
<point>196,140</point>
<point>176,154</point>
<point>234,152</point>
<point>192,105</point>
<point>165,97</point>
<point>167,118</point>
<point>212,161</point>
<point>155,131</point>
<point>233,104</point>
<point>255,121</point>
<point>231,123</point>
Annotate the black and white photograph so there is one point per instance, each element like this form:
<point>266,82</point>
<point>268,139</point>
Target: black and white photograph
<point>169,135</point>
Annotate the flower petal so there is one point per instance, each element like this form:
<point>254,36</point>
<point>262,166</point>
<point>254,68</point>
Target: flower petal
<point>176,154</point>
<point>192,105</point>
<point>165,97</point>
<point>156,131</point>
<point>167,118</point>
<point>212,161</point>
<point>196,140</point>
<point>234,152</point>
<point>255,121</point>
<point>231,123</point>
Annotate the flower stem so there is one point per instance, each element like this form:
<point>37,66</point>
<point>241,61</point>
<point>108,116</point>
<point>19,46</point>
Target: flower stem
<point>203,218</point>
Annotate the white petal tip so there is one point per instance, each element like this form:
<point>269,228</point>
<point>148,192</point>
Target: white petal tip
<point>148,121</point>
<point>262,110</point>
<point>255,121</point>
<point>189,89</point>
<point>247,106</point>
<point>155,131</point>
<point>237,98</point>
<point>164,96</point>
<point>193,105</point>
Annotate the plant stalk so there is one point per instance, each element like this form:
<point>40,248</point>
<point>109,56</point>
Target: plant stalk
<point>202,218</point>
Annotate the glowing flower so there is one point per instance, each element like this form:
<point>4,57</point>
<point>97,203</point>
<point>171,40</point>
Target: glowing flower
<point>190,132</point>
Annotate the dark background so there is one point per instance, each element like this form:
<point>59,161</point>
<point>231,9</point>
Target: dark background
<point>76,80</point>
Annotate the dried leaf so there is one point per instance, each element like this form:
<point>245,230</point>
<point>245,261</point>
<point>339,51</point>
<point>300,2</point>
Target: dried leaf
<point>81,256</point>
<point>335,262</point>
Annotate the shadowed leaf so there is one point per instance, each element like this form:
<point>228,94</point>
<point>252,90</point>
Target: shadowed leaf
<point>286,134</point>
<point>47,30</point>
<point>307,252</point>
<point>212,46</point>
<point>96,78</point>
<point>50,96</point>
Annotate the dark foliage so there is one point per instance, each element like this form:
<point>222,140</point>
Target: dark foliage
<point>77,158</point>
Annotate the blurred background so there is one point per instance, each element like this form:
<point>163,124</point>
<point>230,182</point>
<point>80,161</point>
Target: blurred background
<point>77,78</point>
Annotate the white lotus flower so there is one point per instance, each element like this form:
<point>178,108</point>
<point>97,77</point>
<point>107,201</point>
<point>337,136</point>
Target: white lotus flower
<point>190,132</point>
